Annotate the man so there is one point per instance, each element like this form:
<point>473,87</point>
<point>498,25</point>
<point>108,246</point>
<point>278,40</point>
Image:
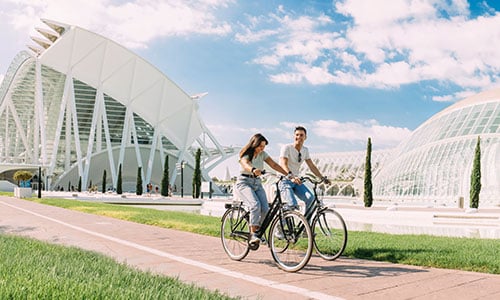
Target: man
<point>291,158</point>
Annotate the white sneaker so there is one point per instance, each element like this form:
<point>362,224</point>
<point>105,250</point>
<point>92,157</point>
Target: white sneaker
<point>254,239</point>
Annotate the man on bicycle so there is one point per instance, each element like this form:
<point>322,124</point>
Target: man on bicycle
<point>291,158</point>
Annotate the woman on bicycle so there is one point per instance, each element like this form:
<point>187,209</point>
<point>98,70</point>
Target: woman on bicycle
<point>249,186</point>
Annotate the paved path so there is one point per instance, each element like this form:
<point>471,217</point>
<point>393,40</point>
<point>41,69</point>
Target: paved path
<point>201,260</point>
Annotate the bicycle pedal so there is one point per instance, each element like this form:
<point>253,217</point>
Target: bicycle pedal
<point>253,246</point>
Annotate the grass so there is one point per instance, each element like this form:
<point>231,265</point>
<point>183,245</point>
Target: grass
<point>35,270</point>
<point>469,254</point>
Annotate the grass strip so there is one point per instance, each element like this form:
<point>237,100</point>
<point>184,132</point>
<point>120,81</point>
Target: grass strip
<point>36,270</point>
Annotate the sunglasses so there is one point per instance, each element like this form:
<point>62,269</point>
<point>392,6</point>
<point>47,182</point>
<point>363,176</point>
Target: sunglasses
<point>300,157</point>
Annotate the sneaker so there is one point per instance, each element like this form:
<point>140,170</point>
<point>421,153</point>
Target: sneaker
<point>263,240</point>
<point>254,239</point>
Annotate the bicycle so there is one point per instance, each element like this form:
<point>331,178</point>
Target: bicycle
<point>289,235</point>
<point>328,226</point>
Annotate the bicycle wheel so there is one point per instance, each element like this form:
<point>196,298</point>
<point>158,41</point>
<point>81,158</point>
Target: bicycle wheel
<point>291,242</point>
<point>234,233</point>
<point>330,234</point>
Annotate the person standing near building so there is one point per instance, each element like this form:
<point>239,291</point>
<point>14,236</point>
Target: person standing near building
<point>291,158</point>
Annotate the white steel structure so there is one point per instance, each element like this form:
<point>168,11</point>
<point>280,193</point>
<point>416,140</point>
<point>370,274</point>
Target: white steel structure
<point>434,164</point>
<point>346,170</point>
<point>81,104</point>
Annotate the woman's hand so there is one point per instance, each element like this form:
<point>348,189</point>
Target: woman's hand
<point>256,172</point>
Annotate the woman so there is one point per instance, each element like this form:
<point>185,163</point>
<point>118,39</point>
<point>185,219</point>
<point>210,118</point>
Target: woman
<point>248,185</point>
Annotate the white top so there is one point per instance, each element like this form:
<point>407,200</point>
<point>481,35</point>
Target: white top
<point>292,154</point>
<point>257,162</point>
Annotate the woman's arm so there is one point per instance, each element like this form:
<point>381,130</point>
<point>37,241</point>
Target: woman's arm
<point>247,166</point>
<point>275,166</point>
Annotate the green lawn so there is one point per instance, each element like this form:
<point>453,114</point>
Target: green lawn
<point>31,269</point>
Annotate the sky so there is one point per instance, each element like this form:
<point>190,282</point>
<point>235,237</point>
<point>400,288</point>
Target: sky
<point>346,70</point>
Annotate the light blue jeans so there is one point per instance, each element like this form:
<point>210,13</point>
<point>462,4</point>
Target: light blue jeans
<point>250,191</point>
<point>289,190</point>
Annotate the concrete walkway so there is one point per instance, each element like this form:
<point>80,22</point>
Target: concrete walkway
<point>201,260</point>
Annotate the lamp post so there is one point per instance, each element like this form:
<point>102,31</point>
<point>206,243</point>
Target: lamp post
<point>39,182</point>
<point>182,179</point>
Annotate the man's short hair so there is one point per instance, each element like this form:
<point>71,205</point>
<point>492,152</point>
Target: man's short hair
<point>300,128</point>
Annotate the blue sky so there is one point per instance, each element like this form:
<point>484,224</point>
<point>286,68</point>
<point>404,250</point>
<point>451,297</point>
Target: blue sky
<point>346,70</point>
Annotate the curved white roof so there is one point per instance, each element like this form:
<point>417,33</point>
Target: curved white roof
<point>127,78</point>
<point>484,97</point>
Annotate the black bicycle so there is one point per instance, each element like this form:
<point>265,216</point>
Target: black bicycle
<point>328,226</point>
<point>287,232</point>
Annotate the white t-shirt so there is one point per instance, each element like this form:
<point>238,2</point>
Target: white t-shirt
<point>257,162</point>
<point>292,154</point>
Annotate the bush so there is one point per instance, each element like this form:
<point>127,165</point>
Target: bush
<point>21,176</point>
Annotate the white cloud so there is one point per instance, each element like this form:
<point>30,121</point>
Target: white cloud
<point>384,44</point>
<point>131,23</point>
<point>252,37</point>
<point>454,97</point>
<point>385,136</point>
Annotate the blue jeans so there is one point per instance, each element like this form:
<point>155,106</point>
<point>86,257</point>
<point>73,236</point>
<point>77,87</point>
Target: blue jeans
<point>289,190</point>
<point>251,192</point>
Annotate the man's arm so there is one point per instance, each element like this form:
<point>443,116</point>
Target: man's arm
<point>315,169</point>
<point>284,165</point>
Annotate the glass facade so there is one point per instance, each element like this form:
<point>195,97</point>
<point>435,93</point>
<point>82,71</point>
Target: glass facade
<point>434,164</point>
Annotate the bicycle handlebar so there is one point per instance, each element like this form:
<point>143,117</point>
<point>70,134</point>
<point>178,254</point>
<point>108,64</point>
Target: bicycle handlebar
<point>313,181</point>
<point>264,174</point>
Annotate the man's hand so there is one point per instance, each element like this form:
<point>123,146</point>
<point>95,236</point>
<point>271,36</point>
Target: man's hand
<point>296,180</point>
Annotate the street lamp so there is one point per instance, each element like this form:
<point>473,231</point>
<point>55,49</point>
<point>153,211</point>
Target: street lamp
<point>182,179</point>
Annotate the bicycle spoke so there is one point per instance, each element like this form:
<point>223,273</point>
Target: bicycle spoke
<point>330,234</point>
<point>234,233</point>
<point>291,241</point>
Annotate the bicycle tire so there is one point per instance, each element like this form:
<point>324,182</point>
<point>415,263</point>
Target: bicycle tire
<point>293,248</point>
<point>330,234</point>
<point>234,233</point>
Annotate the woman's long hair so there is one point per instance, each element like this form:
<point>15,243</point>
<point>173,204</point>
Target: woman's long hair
<point>255,141</point>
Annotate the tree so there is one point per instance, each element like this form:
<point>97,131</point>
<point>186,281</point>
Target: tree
<point>475,177</point>
<point>368,196</point>
<point>104,181</point>
<point>79,184</point>
<point>69,185</point>
<point>138,186</point>
<point>165,180</point>
<point>21,177</point>
<point>197,175</point>
<point>119,190</point>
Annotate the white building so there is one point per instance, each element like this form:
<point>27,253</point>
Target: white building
<point>434,164</point>
<point>79,104</point>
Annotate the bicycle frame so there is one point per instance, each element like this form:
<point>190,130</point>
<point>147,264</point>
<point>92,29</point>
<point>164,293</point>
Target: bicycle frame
<point>275,209</point>
<point>316,205</point>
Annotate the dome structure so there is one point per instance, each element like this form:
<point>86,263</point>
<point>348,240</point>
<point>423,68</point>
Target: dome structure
<point>80,104</point>
<point>434,164</point>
